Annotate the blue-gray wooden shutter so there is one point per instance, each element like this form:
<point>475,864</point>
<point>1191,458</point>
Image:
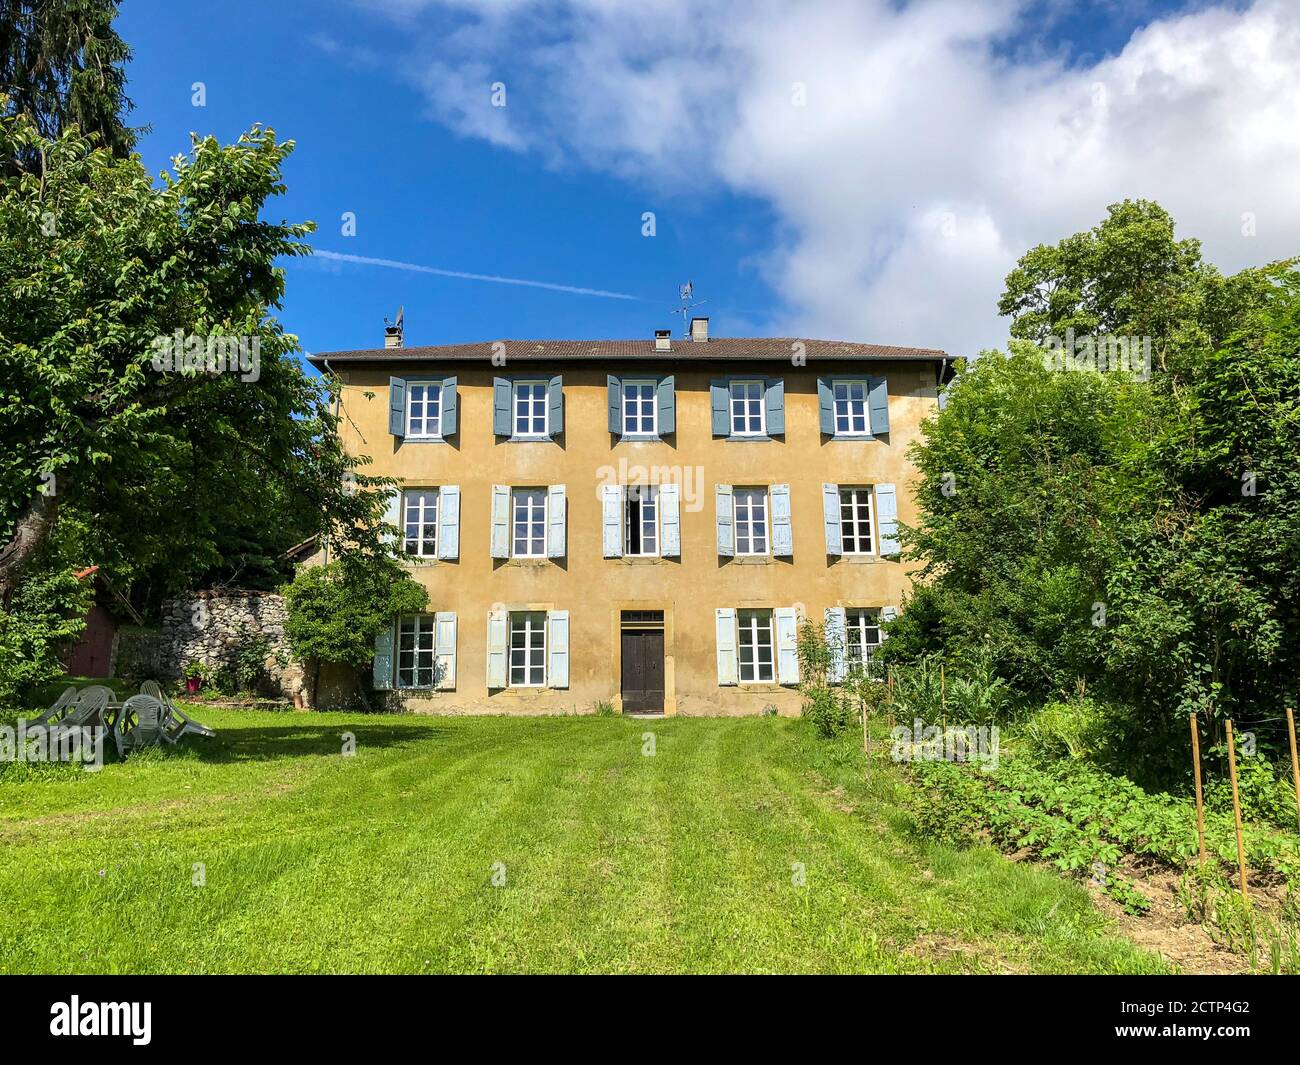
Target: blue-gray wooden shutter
<point>725,502</point>
<point>615,387</point>
<point>782,534</point>
<point>774,395</point>
<point>500,521</point>
<point>878,404</point>
<point>555,405</point>
<point>557,649</point>
<point>887,518</point>
<point>826,405</point>
<point>787,645</point>
<point>720,403</point>
<point>444,650</point>
<point>397,406</point>
<point>498,626</point>
<point>383,669</point>
<point>728,663</point>
<point>393,516</point>
<point>611,511</point>
<point>502,394</point>
<point>670,520</point>
<point>666,401</point>
<point>887,614</point>
<point>449,521</point>
<point>835,633</point>
<point>556,520</point>
<point>450,408</point>
<point>831,518</point>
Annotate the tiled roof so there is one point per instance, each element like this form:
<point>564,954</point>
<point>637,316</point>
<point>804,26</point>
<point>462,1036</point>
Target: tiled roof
<point>719,348</point>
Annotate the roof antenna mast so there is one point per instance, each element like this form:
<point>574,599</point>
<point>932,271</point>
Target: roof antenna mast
<point>688,304</point>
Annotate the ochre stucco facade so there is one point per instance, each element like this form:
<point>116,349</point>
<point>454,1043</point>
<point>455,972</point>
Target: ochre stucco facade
<point>595,590</point>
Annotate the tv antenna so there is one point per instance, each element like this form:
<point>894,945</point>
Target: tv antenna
<point>688,304</point>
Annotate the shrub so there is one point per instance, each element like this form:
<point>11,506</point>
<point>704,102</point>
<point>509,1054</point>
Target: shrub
<point>47,613</point>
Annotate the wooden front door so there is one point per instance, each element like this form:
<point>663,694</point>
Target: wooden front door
<point>643,671</point>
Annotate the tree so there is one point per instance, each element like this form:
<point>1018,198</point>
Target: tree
<point>336,611</point>
<point>62,64</point>
<point>147,393</point>
<point>1133,539</point>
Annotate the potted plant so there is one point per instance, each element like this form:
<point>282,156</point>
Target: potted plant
<point>195,673</point>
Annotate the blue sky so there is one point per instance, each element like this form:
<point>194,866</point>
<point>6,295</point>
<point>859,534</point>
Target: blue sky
<point>803,230</point>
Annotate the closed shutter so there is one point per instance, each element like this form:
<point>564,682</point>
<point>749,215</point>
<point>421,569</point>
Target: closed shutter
<point>498,623</point>
<point>444,649</point>
<point>728,665</point>
<point>383,670</point>
<point>725,503</point>
<point>555,405</point>
<point>397,406</point>
<point>666,402</point>
<point>557,519</point>
<point>836,633</point>
<point>878,404</point>
<point>670,520</point>
<point>831,518</point>
<point>449,521</point>
<point>774,394</point>
<point>449,412</point>
<point>782,533</point>
<point>502,394</point>
<point>787,645</point>
<point>720,404</point>
<point>557,649</point>
<point>887,519</point>
<point>825,405</point>
<point>615,399</point>
<point>611,515</point>
<point>500,521</point>
<point>888,613</point>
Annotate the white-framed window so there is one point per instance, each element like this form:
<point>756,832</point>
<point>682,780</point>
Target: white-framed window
<point>751,521</point>
<point>754,629</point>
<point>530,408</point>
<point>415,651</point>
<point>639,405</point>
<point>851,418</point>
<point>528,650</point>
<point>528,522</point>
<point>861,637</point>
<point>420,523</point>
<point>641,520</point>
<point>423,409</point>
<point>855,521</point>
<point>747,418</point>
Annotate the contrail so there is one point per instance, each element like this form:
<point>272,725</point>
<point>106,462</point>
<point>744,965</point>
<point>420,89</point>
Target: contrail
<point>393,264</point>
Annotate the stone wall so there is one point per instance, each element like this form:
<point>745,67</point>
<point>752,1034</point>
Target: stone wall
<point>209,626</point>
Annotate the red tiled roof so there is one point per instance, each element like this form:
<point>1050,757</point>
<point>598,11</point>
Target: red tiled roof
<point>716,348</point>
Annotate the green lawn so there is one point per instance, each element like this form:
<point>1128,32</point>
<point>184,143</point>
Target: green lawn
<point>613,861</point>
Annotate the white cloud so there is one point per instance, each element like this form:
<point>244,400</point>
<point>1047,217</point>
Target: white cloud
<point>926,156</point>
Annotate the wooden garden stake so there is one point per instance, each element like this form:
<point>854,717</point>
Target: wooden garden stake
<point>1295,767</point>
<point>1236,812</point>
<point>1196,768</point>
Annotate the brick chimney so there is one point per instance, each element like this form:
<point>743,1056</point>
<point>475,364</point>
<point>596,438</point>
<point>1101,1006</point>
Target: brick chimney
<point>393,332</point>
<point>663,340</point>
<point>699,330</point>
